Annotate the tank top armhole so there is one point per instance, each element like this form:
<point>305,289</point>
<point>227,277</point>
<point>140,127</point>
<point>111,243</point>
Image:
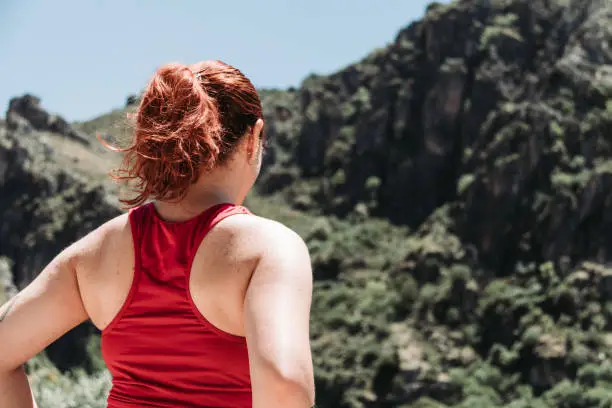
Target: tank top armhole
<point>215,218</point>
<point>135,219</point>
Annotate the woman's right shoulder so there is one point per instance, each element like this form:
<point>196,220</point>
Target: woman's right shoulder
<point>111,229</point>
<point>114,232</point>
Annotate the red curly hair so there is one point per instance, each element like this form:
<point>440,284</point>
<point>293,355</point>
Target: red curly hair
<point>190,119</point>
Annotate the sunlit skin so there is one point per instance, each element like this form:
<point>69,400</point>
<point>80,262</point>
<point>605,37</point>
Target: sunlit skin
<point>251,277</point>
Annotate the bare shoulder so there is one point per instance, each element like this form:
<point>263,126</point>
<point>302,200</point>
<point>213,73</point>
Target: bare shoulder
<point>279,255</point>
<point>111,235</point>
<point>277,316</point>
<point>269,237</point>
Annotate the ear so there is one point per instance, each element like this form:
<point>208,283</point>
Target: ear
<point>254,140</point>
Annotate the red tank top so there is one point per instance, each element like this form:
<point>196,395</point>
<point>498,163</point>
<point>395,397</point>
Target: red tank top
<point>160,350</point>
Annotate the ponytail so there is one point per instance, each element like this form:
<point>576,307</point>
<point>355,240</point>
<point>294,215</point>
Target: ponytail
<point>178,134</point>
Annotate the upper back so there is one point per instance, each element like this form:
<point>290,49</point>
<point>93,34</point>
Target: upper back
<point>106,266</point>
<point>145,278</point>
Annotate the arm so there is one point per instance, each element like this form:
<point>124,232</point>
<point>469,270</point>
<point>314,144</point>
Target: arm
<point>42,312</point>
<point>277,318</point>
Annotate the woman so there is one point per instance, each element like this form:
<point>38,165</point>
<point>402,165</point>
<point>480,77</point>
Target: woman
<point>200,303</point>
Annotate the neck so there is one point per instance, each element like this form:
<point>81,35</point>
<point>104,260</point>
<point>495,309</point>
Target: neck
<point>211,189</point>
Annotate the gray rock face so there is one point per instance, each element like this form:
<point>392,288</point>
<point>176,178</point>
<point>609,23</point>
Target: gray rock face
<point>25,113</point>
<point>493,106</point>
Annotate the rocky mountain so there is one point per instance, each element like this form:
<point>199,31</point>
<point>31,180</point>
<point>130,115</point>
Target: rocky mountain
<point>454,188</point>
<point>397,133</point>
<point>51,194</point>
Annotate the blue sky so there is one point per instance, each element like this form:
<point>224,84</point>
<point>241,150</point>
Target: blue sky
<point>83,57</point>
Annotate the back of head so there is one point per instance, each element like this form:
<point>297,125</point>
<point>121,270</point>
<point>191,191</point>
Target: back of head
<point>190,120</point>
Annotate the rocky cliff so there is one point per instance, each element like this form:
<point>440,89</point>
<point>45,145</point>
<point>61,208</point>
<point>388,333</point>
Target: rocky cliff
<point>52,192</point>
<point>486,128</point>
<point>453,187</point>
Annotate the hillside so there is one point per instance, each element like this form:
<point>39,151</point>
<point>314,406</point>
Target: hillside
<point>455,191</point>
